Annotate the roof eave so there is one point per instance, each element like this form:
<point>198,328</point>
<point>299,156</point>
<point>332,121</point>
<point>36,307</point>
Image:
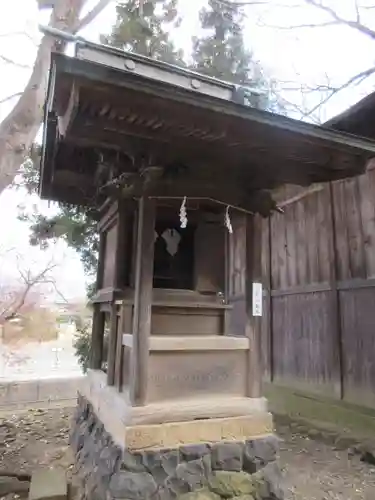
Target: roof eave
<point>99,72</point>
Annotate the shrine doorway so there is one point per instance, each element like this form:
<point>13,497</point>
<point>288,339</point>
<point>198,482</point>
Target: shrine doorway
<point>174,256</point>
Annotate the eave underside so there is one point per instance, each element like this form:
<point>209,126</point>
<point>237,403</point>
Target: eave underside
<point>97,131</point>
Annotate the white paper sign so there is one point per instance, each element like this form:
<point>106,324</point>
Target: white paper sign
<point>257,299</point>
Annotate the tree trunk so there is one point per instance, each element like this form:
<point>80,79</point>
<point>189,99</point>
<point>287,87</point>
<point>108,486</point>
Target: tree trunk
<point>19,129</point>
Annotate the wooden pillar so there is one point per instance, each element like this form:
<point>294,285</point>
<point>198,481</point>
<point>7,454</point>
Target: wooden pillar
<point>115,340</point>
<point>227,270</point>
<point>253,323</point>
<point>267,333</point>
<point>96,351</point>
<point>335,313</point>
<point>126,328</point>
<point>144,266</point>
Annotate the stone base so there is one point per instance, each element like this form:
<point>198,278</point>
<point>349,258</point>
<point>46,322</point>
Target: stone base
<point>175,434</point>
<point>172,423</point>
<point>224,469</point>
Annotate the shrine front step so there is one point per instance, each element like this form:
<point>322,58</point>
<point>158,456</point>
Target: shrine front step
<point>182,312</point>
<point>187,320</point>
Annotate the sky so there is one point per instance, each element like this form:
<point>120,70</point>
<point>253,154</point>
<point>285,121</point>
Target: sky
<point>294,57</point>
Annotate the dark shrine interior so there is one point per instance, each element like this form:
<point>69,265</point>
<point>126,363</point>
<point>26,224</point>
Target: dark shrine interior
<point>174,256</point>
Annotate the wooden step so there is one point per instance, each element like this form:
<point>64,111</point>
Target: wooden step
<point>192,343</point>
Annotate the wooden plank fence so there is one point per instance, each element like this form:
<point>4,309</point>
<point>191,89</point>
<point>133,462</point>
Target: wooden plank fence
<point>318,331</point>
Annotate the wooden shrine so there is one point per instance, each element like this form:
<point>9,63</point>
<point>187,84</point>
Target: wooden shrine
<point>180,169</point>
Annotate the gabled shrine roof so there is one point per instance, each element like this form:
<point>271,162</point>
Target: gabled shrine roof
<point>106,107</point>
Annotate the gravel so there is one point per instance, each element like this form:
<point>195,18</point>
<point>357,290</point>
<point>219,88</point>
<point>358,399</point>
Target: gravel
<point>317,471</point>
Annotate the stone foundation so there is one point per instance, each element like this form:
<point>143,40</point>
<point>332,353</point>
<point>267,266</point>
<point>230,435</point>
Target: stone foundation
<point>243,470</point>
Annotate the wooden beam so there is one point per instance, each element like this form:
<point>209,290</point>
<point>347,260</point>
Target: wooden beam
<point>267,277</point>
<point>142,301</point>
<point>119,357</point>
<point>96,352</point>
<point>253,323</point>
<point>122,369</point>
<point>300,196</point>
<point>65,121</point>
<point>165,343</point>
<point>101,259</point>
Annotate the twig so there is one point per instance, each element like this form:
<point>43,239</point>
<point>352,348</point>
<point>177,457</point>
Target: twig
<point>301,26</point>
<point>17,33</point>
<point>90,16</point>
<point>20,34</point>
<point>228,3</point>
<point>300,110</point>
<point>10,61</point>
<point>59,293</point>
<point>10,97</point>
<point>352,24</point>
<point>354,79</point>
<point>29,281</point>
<point>358,14</point>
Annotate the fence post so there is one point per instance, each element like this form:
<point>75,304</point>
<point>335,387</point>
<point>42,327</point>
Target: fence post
<point>335,316</point>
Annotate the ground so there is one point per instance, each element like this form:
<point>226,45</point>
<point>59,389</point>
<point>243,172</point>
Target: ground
<point>313,470</point>
<point>317,471</point>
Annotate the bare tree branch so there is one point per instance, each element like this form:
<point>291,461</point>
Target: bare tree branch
<point>302,26</point>
<point>90,16</point>
<point>19,129</point>
<point>16,33</point>
<point>306,89</point>
<point>61,295</point>
<point>10,97</point>
<point>229,4</point>
<point>356,79</point>
<point>13,306</point>
<point>299,110</point>
<point>357,25</point>
<point>14,63</point>
<point>358,14</point>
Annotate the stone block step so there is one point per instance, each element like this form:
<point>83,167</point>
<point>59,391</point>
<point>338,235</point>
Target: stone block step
<point>48,484</point>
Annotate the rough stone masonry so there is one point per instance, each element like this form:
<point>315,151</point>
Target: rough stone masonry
<point>241,470</point>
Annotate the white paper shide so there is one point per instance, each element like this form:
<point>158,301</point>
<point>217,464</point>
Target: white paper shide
<point>257,299</point>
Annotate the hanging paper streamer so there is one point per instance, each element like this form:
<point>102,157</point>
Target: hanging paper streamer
<point>183,214</point>
<point>227,221</point>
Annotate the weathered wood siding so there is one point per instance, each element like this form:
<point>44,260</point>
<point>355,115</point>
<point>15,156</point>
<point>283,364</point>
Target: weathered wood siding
<point>319,270</point>
<point>237,275</point>
<point>109,268</point>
